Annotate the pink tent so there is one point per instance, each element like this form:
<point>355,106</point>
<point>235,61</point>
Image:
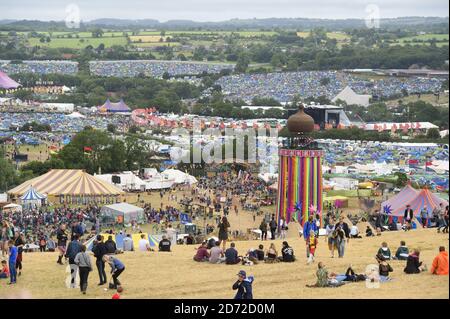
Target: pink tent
<point>6,82</point>
<point>417,199</point>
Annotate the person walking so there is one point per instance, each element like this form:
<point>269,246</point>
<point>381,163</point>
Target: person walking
<point>224,225</point>
<point>441,218</point>
<point>342,235</point>
<point>331,236</point>
<point>308,227</point>
<point>424,216</point>
<point>12,262</point>
<point>19,242</point>
<point>273,227</point>
<point>243,286</point>
<point>263,229</point>
<point>72,250</point>
<point>445,230</point>
<point>283,229</point>
<point>408,217</point>
<point>99,251</point>
<point>62,238</point>
<point>83,261</point>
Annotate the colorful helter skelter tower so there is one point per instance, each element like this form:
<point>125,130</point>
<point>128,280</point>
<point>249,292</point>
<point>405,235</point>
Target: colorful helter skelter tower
<point>300,172</point>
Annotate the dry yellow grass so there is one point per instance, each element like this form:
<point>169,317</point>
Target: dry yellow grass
<point>176,275</point>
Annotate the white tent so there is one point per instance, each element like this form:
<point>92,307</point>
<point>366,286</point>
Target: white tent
<point>128,181</point>
<point>179,177</point>
<point>12,208</point>
<point>350,97</point>
<point>76,115</point>
<point>121,213</point>
<point>267,177</point>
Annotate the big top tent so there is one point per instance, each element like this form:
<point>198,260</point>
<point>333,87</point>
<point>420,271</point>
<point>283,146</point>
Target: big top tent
<point>416,199</point>
<point>70,185</point>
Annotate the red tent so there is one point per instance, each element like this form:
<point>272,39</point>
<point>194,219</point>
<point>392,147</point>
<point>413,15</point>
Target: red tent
<point>416,199</point>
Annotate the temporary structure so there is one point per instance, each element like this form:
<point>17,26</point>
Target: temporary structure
<point>121,213</point>
<point>416,199</point>
<point>6,82</point>
<point>72,186</point>
<point>128,181</point>
<point>12,208</point>
<point>32,198</point>
<point>114,107</point>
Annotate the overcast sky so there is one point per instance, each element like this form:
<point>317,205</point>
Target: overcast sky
<point>217,10</point>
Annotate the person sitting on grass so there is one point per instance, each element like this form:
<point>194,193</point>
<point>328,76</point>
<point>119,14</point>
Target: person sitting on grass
<point>260,253</point>
<point>287,253</point>
<point>413,264</point>
<point>350,276</point>
<point>385,251</point>
<point>324,279</point>
<point>4,271</point>
<point>164,244</point>
<point>128,244</point>
<point>110,246</point>
<point>143,244</point>
<point>384,268</point>
<point>202,253</point>
<point>232,255</point>
<point>440,263</point>
<point>354,232</point>
<point>272,254</point>
<point>402,252</point>
<point>252,256</point>
<point>216,256</point>
<point>369,232</point>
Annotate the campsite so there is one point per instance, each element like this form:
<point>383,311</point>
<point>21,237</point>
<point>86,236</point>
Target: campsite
<point>222,150</point>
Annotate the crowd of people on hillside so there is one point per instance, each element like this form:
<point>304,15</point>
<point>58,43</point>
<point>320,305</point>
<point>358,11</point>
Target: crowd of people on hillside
<point>154,68</point>
<point>284,86</point>
<point>40,67</point>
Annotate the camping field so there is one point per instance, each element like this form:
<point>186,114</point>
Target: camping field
<point>176,275</point>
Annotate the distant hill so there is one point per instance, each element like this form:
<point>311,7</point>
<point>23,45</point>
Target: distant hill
<point>416,23</point>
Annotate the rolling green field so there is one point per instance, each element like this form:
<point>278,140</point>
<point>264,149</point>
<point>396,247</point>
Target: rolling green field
<point>442,40</point>
<point>78,43</point>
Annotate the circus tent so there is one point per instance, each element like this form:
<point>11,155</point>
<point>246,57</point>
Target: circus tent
<point>6,82</point>
<point>32,198</point>
<point>416,199</point>
<point>70,185</point>
<point>114,107</point>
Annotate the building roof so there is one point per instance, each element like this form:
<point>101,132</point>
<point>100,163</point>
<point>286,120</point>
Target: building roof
<point>382,126</point>
<point>67,182</point>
